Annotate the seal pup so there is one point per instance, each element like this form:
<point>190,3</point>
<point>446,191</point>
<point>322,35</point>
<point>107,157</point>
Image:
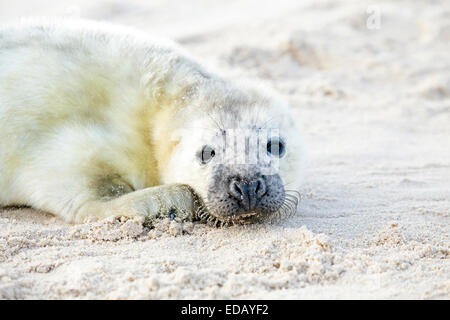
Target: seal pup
<point>98,120</point>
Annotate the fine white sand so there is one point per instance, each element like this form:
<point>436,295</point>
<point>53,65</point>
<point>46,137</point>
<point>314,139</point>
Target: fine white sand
<point>374,105</point>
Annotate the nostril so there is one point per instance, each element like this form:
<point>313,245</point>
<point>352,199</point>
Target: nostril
<point>258,186</point>
<point>260,189</point>
<point>236,189</point>
<point>247,193</point>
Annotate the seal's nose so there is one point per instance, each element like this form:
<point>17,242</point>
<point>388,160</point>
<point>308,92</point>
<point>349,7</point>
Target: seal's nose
<point>247,192</point>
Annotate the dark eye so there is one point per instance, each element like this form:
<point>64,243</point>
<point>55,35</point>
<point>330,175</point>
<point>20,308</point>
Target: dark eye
<point>206,154</point>
<point>276,147</point>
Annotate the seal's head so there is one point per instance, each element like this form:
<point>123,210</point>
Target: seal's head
<point>240,149</point>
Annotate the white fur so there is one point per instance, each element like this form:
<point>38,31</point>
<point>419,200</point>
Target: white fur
<point>80,100</point>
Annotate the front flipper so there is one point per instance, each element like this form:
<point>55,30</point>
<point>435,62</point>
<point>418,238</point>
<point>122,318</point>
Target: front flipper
<point>176,201</point>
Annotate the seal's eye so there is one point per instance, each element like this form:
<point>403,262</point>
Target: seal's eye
<point>206,154</point>
<point>276,147</point>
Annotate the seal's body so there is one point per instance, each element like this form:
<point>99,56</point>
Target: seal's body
<point>98,120</point>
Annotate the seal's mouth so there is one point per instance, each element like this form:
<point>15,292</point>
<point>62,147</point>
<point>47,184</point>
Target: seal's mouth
<point>216,220</point>
<point>247,215</point>
<point>286,209</point>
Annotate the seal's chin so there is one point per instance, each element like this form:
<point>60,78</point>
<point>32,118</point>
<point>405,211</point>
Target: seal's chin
<point>220,219</point>
<point>245,217</point>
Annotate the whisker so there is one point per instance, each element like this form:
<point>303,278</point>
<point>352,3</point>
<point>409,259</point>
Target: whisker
<point>291,202</point>
<point>293,191</point>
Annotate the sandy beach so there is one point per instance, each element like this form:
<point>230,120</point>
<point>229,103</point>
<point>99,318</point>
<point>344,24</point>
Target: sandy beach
<point>370,86</point>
